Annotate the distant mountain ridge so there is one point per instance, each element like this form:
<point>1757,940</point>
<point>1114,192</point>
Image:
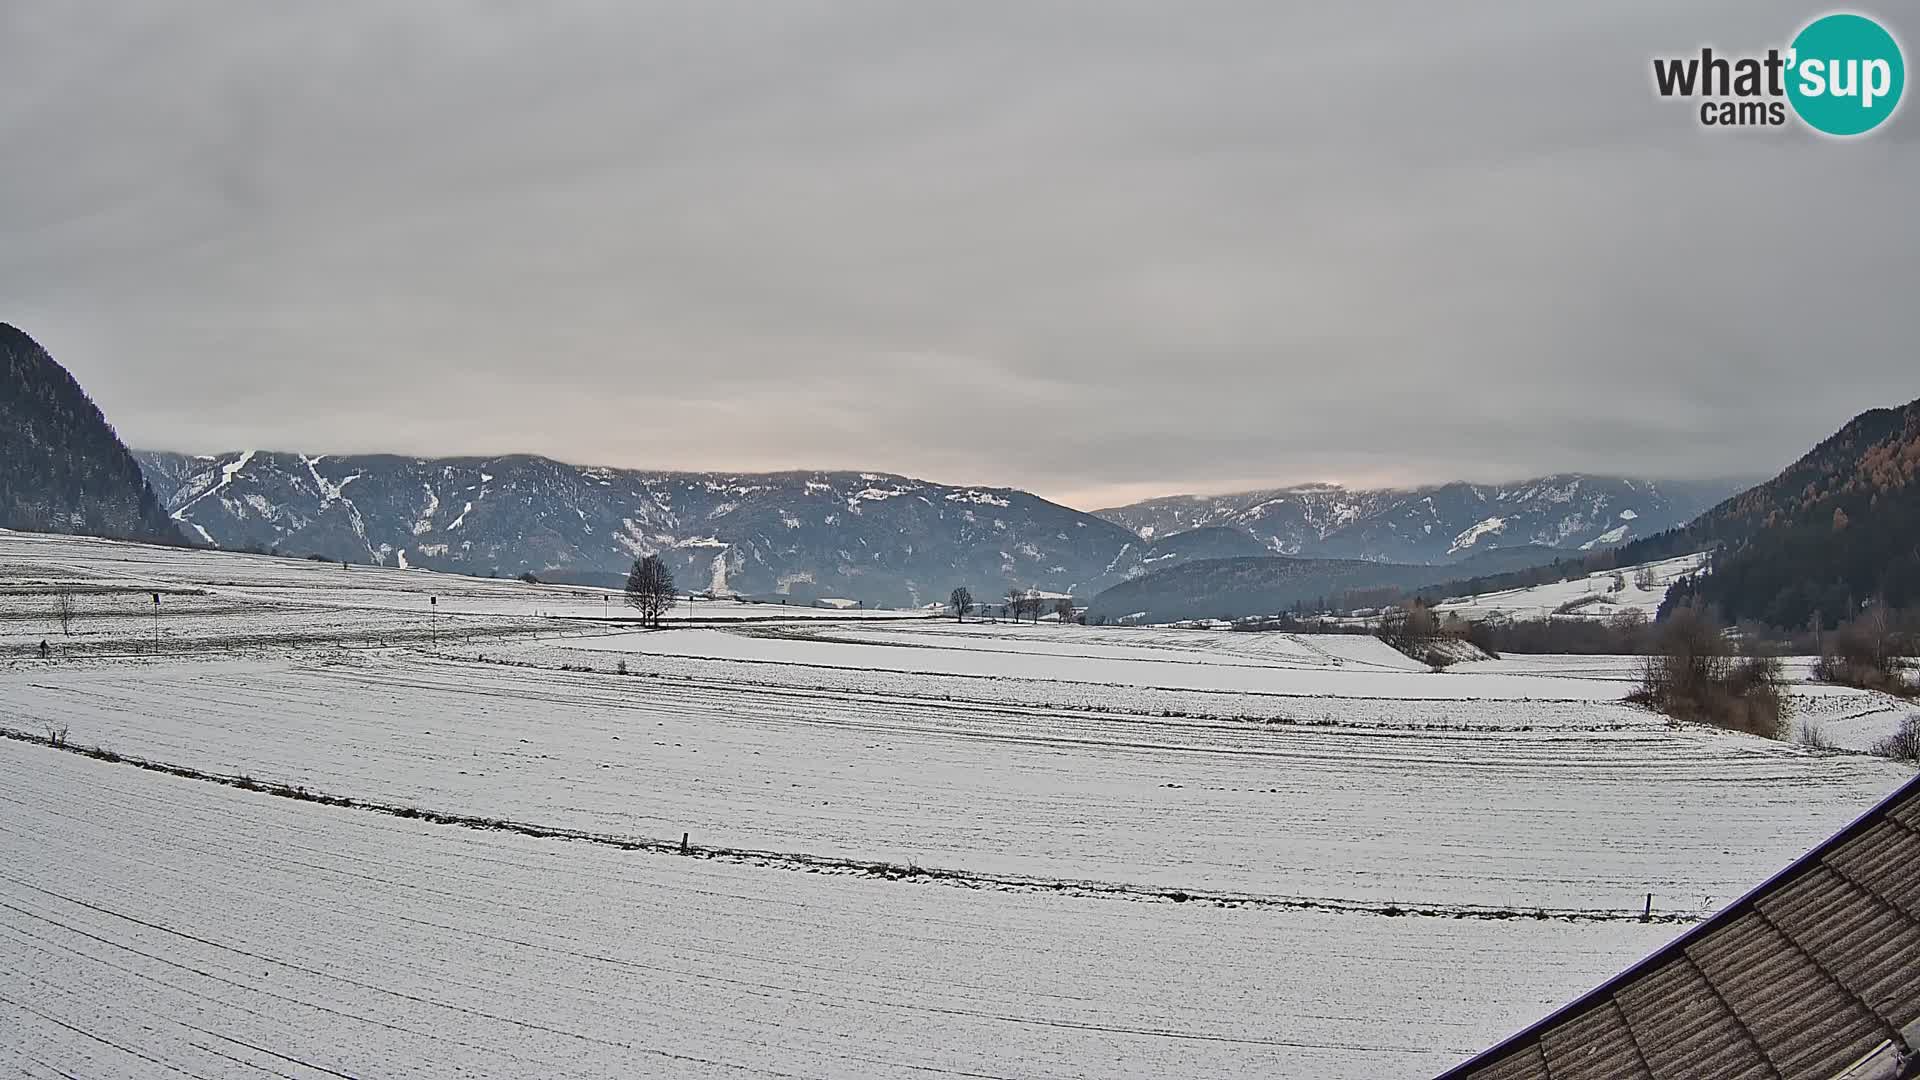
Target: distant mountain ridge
<point>876,537</point>
<point>1435,524</point>
<point>62,467</point>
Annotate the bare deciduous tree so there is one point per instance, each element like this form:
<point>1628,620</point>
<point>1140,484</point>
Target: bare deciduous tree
<point>962,602</point>
<point>1409,628</point>
<point>64,605</point>
<point>1866,652</point>
<point>650,589</point>
<point>1027,602</point>
<point>1063,609</point>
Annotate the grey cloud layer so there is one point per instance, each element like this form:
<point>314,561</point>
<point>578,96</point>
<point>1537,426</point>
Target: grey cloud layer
<point>1098,250</point>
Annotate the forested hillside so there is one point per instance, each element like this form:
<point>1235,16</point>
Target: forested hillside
<point>1840,527</point>
<point>62,468</point>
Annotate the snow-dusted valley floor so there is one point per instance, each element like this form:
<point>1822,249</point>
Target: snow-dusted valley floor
<point>152,925</point>
<point>913,848</point>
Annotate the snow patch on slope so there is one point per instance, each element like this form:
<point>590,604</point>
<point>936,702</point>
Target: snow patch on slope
<point>1611,536</point>
<point>981,498</point>
<point>425,523</point>
<point>227,473</point>
<point>331,493</point>
<point>1473,533</point>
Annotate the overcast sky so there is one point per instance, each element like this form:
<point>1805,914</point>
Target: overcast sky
<point>1099,250</point>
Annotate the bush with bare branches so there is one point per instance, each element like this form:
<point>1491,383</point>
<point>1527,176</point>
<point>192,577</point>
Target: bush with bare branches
<point>1812,736</point>
<point>1866,652</point>
<point>1695,675</point>
<point>1903,744</point>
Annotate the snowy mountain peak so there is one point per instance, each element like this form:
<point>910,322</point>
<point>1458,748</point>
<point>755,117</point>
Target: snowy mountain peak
<point>1435,523</point>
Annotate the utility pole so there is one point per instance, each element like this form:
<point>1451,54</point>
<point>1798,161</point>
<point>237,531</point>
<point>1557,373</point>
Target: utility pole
<point>156,624</point>
<point>433,623</point>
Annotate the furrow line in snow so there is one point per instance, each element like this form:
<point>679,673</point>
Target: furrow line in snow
<point>815,863</point>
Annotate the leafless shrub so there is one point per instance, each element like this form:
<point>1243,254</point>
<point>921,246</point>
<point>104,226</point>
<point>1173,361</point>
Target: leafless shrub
<point>1903,744</point>
<point>1812,736</point>
<point>1581,603</point>
<point>1694,675</point>
<point>1866,653</point>
<point>57,736</point>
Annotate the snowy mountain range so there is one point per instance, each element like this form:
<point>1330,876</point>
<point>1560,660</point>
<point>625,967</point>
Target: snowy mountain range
<point>1439,524</point>
<point>879,538</point>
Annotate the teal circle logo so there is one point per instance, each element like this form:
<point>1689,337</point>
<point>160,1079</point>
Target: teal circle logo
<point>1845,74</point>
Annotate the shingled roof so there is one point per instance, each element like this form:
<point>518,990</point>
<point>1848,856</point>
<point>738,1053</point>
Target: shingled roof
<point>1815,974</point>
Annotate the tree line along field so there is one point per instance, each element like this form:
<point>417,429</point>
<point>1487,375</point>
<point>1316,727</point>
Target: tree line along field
<point>910,848</point>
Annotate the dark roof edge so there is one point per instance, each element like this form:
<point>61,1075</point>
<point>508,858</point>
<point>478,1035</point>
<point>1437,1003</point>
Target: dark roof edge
<point>1531,1034</point>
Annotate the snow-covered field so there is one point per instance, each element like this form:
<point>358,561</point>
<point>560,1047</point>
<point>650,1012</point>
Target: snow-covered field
<point>154,926</point>
<point>1847,718</point>
<point>918,848</point>
<point>1590,597</point>
<point>1322,812</point>
<point>260,598</point>
<point>1344,666</point>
